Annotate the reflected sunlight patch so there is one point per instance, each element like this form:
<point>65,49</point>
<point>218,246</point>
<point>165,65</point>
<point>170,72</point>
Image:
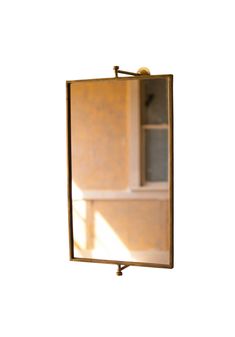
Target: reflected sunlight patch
<point>107,242</point>
<point>79,225</point>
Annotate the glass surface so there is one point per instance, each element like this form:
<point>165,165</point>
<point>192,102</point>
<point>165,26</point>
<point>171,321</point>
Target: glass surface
<point>156,155</point>
<point>154,101</point>
<point>114,217</point>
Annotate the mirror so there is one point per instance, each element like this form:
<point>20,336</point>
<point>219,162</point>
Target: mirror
<point>120,170</point>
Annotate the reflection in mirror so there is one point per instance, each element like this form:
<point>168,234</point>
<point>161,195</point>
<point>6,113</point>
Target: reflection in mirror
<point>121,169</point>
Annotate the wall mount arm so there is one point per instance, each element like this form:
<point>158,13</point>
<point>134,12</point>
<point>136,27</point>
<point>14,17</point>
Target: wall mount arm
<point>141,71</point>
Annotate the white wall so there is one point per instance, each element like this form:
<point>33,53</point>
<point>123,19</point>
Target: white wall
<point>46,42</point>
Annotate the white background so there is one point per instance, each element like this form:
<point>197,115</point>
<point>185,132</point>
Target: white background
<point>44,43</point>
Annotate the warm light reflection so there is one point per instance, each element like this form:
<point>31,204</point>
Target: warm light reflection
<point>107,241</point>
<point>94,237</point>
<point>79,228</point>
<point>77,192</point>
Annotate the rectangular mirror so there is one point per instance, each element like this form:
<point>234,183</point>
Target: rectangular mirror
<point>120,170</point>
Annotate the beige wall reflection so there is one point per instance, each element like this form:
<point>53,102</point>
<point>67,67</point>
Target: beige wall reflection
<point>119,230</point>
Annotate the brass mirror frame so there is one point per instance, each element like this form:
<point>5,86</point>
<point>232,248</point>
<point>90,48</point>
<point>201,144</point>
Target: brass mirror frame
<point>69,177</point>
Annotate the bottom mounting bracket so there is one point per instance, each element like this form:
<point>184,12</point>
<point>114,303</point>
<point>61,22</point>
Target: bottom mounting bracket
<point>120,268</point>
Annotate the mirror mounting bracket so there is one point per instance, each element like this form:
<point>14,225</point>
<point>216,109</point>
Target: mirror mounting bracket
<point>141,71</point>
<point>120,268</point>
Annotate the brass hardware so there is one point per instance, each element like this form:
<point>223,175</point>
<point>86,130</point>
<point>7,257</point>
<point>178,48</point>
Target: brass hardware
<point>142,71</point>
<point>115,68</point>
<point>120,268</point>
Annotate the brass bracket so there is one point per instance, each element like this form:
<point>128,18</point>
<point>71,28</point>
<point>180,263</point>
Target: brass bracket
<point>120,268</point>
<point>140,72</point>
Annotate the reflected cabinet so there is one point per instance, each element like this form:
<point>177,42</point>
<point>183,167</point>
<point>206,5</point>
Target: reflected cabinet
<point>120,170</point>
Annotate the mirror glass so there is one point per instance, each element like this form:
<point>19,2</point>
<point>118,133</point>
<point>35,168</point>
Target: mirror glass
<point>120,158</point>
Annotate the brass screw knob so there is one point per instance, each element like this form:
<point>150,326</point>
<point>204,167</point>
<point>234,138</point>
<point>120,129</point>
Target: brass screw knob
<point>143,71</point>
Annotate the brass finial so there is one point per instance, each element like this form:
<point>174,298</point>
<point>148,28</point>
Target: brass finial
<point>143,71</point>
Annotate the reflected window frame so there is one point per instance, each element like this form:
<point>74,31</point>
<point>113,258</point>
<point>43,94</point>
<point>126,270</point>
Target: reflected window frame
<point>137,130</point>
